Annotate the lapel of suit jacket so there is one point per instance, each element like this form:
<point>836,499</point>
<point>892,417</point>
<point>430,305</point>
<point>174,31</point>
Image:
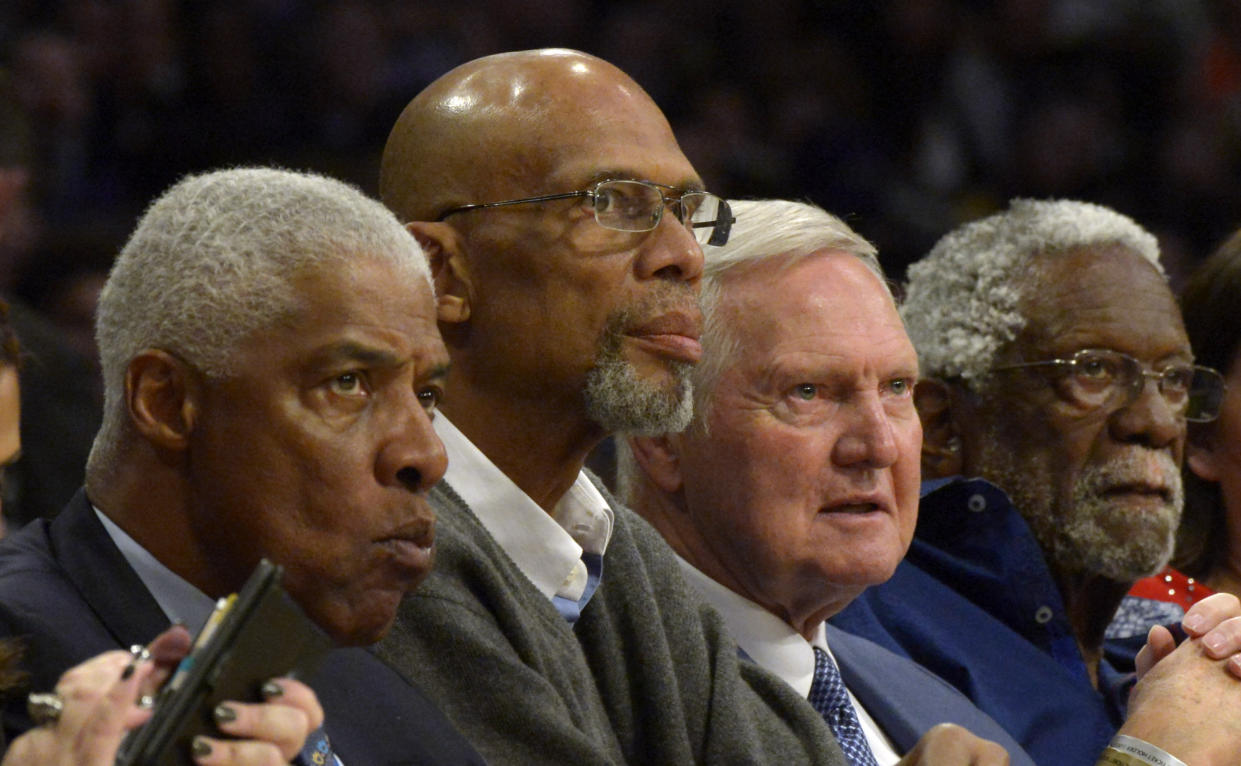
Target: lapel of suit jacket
<point>876,685</point>
<point>96,567</point>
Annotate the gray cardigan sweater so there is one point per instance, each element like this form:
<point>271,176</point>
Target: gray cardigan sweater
<point>647,676</point>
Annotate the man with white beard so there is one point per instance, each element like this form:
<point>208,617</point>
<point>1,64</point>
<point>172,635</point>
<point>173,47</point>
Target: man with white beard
<point>1055,366</point>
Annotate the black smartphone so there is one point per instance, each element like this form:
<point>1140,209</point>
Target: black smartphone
<point>251,637</point>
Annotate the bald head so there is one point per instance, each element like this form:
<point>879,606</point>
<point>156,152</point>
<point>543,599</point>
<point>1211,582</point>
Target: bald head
<point>503,126</point>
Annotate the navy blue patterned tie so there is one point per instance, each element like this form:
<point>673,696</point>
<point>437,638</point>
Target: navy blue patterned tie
<point>828,695</point>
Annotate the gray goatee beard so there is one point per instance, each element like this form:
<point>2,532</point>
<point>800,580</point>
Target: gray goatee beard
<point>620,402</point>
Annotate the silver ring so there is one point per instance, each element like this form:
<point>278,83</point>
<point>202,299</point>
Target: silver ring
<point>45,707</point>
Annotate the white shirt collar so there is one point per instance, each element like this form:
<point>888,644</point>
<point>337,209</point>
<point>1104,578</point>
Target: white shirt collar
<point>773,644</point>
<point>180,601</point>
<point>768,640</point>
<point>547,548</point>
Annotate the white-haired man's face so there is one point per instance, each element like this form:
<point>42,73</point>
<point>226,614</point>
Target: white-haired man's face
<point>1100,487</point>
<point>318,451</point>
<point>804,491</point>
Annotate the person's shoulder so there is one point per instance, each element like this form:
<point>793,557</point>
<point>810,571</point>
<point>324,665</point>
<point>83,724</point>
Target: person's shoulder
<point>33,584</point>
<point>26,558</point>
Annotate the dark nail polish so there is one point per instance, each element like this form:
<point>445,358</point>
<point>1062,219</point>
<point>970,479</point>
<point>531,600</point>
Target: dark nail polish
<point>129,669</point>
<point>200,748</point>
<point>224,714</point>
<point>271,689</point>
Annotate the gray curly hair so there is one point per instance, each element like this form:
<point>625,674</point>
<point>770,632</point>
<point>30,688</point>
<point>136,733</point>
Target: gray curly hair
<point>961,299</point>
<point>212,260</point>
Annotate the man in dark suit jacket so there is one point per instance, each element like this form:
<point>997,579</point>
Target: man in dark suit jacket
<point>796,487</point>
<point>271,368</point>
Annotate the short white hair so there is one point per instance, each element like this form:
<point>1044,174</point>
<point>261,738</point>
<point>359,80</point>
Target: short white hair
<point>961,300</point>
<point>764,230</point>
<point>212,261</point>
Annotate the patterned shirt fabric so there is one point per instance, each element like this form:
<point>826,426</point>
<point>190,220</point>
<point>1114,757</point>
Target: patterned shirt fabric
<point>1161,599</point>
<point>318,751</point>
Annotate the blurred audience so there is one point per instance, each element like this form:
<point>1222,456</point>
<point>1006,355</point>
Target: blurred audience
<point>908,116</point>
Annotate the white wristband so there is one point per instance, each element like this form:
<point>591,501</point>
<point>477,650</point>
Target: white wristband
<point>1131,751</point>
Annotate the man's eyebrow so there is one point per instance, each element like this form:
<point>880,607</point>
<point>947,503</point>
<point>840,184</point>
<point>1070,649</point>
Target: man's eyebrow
<point>352,351</point>
<point>438,372</point>
<point>617,174</point>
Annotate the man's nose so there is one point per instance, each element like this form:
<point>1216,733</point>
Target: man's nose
<point>869,439</point>
<point>413,456</point>
<point>670,252</point>
<point>1148,419</point>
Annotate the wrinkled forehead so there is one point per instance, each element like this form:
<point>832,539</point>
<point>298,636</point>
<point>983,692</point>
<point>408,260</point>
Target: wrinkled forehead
<point>1104,296</point>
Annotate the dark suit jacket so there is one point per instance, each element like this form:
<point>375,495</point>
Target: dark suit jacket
<point>905,699</point>
<point>68,594</point>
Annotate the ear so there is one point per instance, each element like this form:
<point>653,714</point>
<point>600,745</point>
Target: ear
<point>941,442</point>
<point>1201,456</point>
<point>659,459</point>
<point>164,397</point>
<point>445,252</point>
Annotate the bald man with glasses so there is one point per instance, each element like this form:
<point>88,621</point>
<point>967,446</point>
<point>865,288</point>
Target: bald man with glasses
<point>565,230</point>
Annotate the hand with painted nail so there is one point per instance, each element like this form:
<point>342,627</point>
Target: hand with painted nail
<point>271,732</point>
<point>96,704</point>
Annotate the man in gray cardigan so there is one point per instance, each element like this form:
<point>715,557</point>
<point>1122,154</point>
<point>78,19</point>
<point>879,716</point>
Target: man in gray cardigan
<point>563,225</point>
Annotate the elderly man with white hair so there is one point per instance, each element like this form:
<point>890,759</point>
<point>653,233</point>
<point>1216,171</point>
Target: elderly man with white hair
<point>1057,369</point>
<point>271,368</point>
<point>796,485</point>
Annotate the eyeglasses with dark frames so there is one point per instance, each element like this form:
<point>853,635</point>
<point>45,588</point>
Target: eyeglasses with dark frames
<point>1096,378</point>
<point>625,205</point>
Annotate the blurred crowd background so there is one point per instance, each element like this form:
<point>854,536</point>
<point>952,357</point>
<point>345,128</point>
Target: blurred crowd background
<point>906,117</point>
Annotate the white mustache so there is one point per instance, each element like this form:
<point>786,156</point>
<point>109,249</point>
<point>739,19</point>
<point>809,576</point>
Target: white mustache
<point>1137,467</point>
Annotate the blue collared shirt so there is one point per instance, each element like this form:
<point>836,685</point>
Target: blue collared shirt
<point>179,600</point>
<point>975,602</point>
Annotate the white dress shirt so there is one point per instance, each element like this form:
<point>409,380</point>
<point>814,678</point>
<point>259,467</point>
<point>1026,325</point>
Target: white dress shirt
<point>547,548</point>
<point>774,645</point>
